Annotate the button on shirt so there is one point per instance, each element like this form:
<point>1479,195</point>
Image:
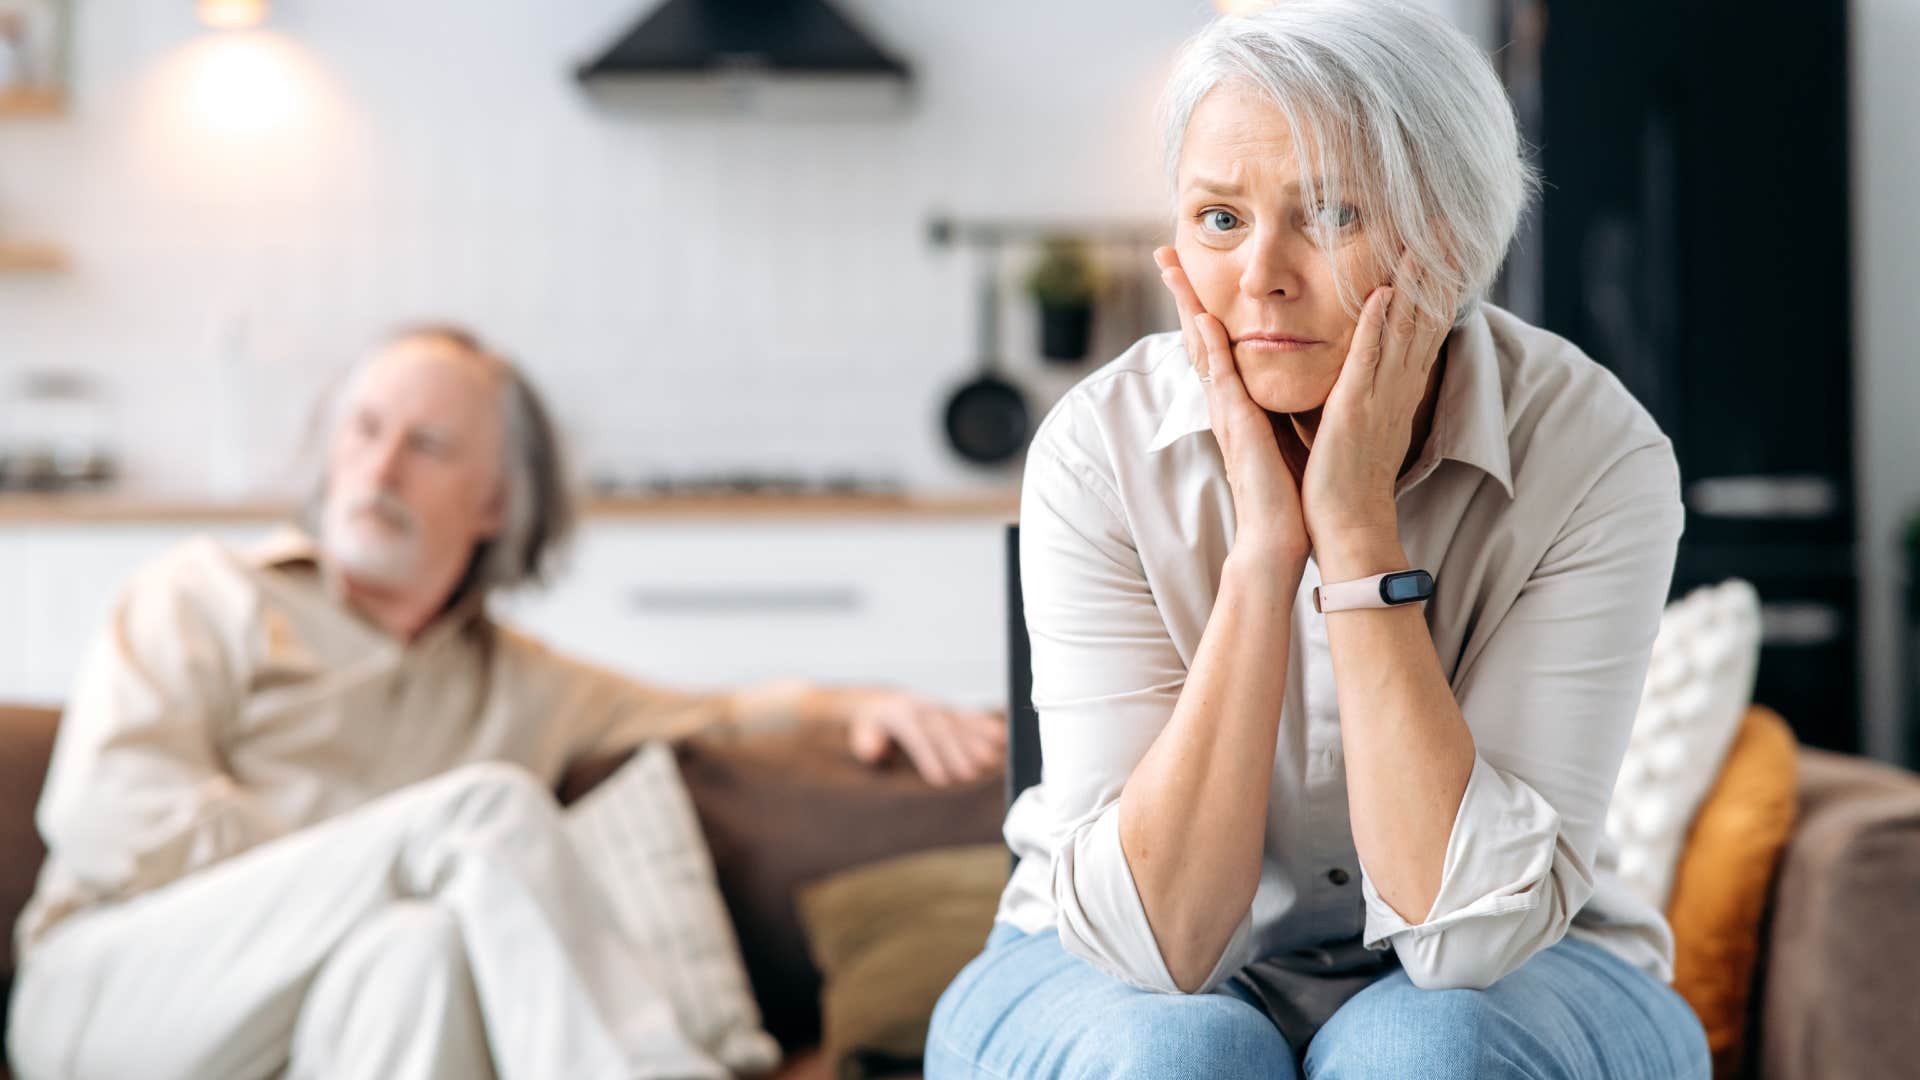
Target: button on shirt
<point>234,696</point>
<point>1545,502</point>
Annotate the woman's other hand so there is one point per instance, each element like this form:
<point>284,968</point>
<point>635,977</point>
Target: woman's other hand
<point>1266,493</point>
<point>1365,429</point>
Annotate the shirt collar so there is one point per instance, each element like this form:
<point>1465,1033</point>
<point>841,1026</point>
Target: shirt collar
<point>290,546</point>
<point>1187,413</point>
<point>1469,419</point>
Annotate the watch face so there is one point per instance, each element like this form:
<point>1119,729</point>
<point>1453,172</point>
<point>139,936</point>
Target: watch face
<point>1402,588</point>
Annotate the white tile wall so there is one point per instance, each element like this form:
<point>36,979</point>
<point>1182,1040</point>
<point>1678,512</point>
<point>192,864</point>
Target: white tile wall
<point>247,211</point>
<point>690,295</point>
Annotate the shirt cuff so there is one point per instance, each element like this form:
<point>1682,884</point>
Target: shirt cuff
<point>1498,857</point>
<point>1102,921</point>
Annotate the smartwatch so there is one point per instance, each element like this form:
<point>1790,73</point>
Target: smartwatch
<point>1378,591</point>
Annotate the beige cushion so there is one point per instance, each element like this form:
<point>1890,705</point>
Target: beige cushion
<point>889,938</point>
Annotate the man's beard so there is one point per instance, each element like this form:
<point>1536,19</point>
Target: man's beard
<point>374,538</point>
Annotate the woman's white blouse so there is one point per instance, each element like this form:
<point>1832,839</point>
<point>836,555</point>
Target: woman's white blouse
<point>1545,503</point>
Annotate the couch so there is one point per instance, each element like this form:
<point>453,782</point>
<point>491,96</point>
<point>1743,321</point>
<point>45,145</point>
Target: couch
<point>778,809</point>
<point>1837,986</point>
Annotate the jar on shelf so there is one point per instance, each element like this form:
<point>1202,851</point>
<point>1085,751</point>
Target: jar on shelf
<point>56,435</point>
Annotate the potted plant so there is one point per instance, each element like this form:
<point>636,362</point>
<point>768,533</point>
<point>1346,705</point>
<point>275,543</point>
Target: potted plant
<point>1064,283</point>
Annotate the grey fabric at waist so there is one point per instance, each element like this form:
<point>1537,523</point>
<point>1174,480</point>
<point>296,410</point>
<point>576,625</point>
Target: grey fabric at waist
<point>1301,990</point>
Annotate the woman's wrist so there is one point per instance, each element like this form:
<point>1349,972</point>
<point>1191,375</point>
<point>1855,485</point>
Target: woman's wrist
<point>1350,556</point>
<point>1268,561</point>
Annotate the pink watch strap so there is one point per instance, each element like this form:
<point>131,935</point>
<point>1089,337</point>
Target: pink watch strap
<point>1408,586</point>
<point>1344,595</point>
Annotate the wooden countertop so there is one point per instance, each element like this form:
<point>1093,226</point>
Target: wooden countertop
<point>82,508</point>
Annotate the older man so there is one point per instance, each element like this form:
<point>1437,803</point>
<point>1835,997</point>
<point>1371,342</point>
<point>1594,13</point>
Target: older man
<point>298,816</point>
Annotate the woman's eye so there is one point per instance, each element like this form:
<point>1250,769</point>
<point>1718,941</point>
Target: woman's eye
<point>1338,216</point>
<point>1219,220</point>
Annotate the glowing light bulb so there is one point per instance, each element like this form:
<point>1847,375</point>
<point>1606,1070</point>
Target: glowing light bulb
<point>231,14</point>
<point>243,86</point>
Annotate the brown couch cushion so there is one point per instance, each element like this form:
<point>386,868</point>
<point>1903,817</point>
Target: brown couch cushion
<point>890,936</point>
<point>1721,884</point>
<point>781,809</point>
<point>26,746</point>
<point>1842,963</point>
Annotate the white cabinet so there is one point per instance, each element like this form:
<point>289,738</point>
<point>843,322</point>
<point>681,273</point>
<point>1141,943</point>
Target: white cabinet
<point>58,584</point>
<point>15,616</point>
<point>911,601</point>
<point>917,603</point>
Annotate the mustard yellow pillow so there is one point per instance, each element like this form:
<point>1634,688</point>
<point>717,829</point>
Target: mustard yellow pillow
<point>1720,885</point>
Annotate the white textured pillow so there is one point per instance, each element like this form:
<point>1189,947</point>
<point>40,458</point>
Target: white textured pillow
<point>638,834</point>
<point>1699,684</point>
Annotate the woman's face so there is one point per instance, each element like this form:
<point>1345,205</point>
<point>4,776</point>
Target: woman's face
<point>1253,251</point>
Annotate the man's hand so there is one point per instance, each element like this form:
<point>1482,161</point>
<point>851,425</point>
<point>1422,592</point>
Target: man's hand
<point>947,745</point>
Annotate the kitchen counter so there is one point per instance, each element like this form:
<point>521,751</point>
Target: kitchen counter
<point>116,508</point>
<point>695,589</point>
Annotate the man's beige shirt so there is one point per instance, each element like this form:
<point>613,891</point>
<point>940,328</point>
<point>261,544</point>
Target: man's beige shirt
<point>1545,503</point>
<point>233,697</point>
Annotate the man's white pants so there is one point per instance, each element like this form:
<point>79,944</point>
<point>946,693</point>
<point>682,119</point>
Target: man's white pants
<point>445,930</point>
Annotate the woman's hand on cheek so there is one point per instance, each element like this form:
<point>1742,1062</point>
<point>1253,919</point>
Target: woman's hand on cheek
<point>1347,491</point>
<point>1266,501</point>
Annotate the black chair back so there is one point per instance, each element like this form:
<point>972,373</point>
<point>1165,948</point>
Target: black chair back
<point>1023,723</point>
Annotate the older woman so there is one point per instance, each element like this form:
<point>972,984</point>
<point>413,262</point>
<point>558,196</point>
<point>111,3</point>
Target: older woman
<point>1340,599</point>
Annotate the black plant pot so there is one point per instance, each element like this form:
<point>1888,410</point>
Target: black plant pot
<point>1065,331</point>
<point>1913,586</point>
<point>1911,646</point>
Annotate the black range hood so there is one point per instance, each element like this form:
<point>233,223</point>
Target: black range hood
<point>744,55</point>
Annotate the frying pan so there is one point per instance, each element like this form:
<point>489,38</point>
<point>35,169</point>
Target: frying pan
<point>987,418</point>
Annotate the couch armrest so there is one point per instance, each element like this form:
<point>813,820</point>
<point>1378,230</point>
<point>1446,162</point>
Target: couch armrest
<point>1842,967</point>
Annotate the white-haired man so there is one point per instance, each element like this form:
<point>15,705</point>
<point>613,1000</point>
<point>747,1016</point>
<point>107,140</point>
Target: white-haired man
<point>299,812</point>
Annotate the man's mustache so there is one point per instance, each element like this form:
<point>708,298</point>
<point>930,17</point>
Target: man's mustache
<point>385,507</point>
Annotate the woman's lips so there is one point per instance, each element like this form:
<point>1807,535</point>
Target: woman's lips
<point>1276,342</point>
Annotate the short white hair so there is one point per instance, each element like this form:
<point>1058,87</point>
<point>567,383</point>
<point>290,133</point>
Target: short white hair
<point>1404,118</point>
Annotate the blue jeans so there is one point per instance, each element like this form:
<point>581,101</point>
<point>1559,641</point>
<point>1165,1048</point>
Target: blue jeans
<point>1027,1008</point>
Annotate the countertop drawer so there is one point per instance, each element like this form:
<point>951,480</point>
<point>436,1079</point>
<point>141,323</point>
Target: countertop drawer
<point>914,604</point>
<point>910,602</point>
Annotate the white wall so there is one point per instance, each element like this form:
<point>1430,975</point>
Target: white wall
<point>691,296</point>
<point>246,211</point>
<point>1886,229</point>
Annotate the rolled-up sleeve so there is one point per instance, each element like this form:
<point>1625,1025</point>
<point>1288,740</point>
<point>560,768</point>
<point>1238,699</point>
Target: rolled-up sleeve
<point>1106,677</point>
<point>1550,699</point>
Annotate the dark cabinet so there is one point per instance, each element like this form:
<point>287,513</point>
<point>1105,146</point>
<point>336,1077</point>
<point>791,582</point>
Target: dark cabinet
<point>1693,237</point>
